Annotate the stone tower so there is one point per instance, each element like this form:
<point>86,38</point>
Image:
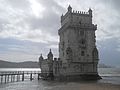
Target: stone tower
<point>50,61</point>
<point>77,46</point>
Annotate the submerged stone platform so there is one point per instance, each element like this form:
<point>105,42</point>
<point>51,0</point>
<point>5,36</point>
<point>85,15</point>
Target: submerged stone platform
<point>82,77</point>
<point>78,77</point>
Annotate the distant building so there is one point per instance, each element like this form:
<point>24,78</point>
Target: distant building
<point>78,55</point>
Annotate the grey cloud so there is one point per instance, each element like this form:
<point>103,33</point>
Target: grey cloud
<point>51,3</point>
<point>51,21</point>
<point>22,4</point>
<point>13,48</point>
<point>112,3</point>
<point>108,51</point>
<point>18,13</point>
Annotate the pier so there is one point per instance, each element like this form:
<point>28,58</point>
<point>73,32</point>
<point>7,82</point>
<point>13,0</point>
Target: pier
<point>15,76</point>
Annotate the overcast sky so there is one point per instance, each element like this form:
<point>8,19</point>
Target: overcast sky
<point>30,27</point>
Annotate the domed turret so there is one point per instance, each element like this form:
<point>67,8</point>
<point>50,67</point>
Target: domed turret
<point>41,59</point>
<point>69,8</point>
<point>90,12</point>
<point>50,55</point>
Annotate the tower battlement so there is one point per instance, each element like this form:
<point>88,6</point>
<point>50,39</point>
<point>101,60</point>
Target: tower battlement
<point>73,16</point>
<point>80,12</point>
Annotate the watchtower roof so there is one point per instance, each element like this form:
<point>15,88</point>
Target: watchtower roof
<point>50,53</point>
<point>41,57</point>
<point>77,13</point>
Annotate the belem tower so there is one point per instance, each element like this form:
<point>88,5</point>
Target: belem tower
<point>78,55</point>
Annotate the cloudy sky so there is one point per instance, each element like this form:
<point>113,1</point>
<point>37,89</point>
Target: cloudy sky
<point>30,27</point>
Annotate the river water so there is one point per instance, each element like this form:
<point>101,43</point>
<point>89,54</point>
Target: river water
<point>109,75</point>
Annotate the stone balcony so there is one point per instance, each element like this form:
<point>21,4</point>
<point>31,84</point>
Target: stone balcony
<point>77,26</point>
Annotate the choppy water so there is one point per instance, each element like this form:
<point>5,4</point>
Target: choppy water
<point>109,75</point>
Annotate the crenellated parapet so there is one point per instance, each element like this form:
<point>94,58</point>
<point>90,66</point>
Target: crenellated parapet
<point>71,12</point>
<point>80,12</point>
<point>57,62</point>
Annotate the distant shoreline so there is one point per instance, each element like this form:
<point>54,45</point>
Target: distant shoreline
<point>31,64</point>
<point>27,64</point>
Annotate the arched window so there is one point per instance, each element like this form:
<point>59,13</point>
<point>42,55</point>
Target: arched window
<point>79,22</point>
<point>69,50</point>
<point>95,53</point>
<point>69,53</point>
<point>82,41</point>
<point>82,53</point>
